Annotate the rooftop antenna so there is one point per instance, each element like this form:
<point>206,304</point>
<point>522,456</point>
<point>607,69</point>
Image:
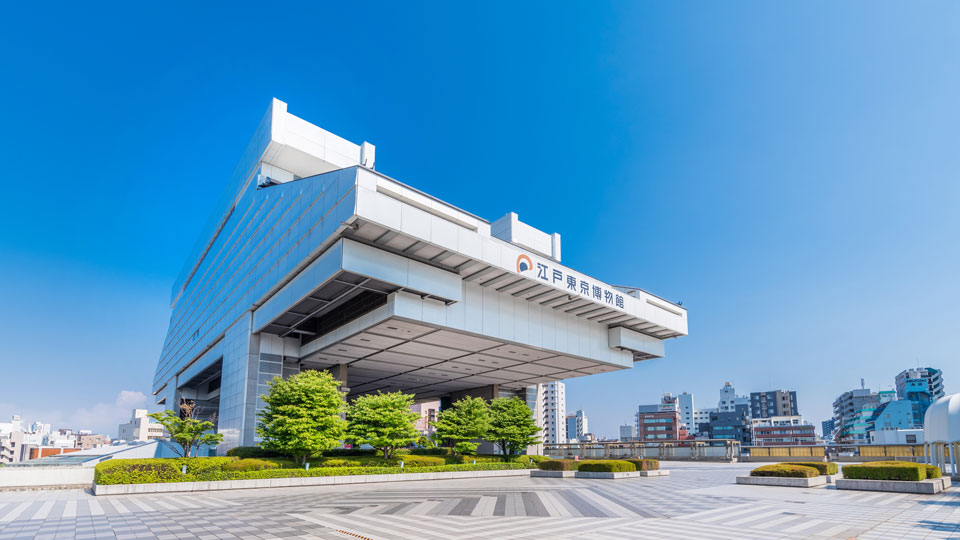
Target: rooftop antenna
<point>863,383</point>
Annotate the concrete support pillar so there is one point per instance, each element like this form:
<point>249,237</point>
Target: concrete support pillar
<point>339,373</point>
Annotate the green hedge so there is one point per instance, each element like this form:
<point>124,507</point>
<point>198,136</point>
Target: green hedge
<point>250,464</point>
<point>148,471</point>
<point>821,467</point>
<point>247,452</point>
<point>423,461</point>
<point>158,470</point>
<point>645,464</point>
<point>429,451</point>
<point>606,465</point>
<point>783,470</point>
<point>559,465</point>
<point>891,470</point>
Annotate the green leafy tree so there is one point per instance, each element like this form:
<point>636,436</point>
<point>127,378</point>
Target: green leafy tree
<point>303,415</point>
<point>466,420</point>
<point>511,425</point>
<point>384,421</point>
<point>186,430</point>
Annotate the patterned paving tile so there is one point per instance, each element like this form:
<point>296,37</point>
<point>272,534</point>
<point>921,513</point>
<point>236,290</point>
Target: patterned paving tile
<point>697,501</point>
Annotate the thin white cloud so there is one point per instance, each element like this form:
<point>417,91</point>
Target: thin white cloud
<point>99,417</point>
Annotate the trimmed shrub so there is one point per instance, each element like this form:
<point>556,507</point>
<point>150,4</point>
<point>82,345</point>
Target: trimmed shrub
<point>606,465</point>
<point>247,452</point>
<point>159,470</point>
<point>422,461</point>
<point>244,465</point>
<point>782,470</point>
<point>335,462</point>
<point>533,461</point>
<point>429,451</point>
<point>559,465</point>
<point>887,470</point>
<point>645,464</point>
<point>821,467</point>
<point>933,471</point>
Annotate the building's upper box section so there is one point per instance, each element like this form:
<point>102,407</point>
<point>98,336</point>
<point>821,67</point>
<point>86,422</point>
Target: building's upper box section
<point>283,148</point>
<point>286,148</point>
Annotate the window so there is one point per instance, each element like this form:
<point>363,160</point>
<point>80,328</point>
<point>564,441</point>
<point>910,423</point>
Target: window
<point>911,439</point>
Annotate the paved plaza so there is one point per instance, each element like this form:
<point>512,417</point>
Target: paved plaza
<point>696,501</point>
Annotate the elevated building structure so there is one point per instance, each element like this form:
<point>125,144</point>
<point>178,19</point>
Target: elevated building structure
<point>315,260</point>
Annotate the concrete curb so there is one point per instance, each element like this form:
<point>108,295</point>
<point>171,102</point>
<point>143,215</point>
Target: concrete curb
<point>127,489</point>
<point>777,481</point>
<point>654,473</point>
<point>536,473</point>
<point>607,475</point>
<point>929,486</point>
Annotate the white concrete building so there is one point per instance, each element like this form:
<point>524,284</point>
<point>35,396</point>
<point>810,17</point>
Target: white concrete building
<point>701,416</point>
<point>896,436</point>
<point>139,428</point>
<point>729,399</point>
<point>553,412</point>
<point>315,260</point>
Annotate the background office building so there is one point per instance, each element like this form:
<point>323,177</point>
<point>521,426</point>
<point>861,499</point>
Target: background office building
<point>140,428</point>
<point>914,380</point>
<point>827,426</point>
<point>686,408</point>
<point>315,260</point>
<point>773,403</point>
<point>577,426</point>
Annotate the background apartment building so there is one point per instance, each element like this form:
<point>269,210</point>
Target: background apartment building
<point>773,403</point>
<point>553,409</point>
<point>782,431</point>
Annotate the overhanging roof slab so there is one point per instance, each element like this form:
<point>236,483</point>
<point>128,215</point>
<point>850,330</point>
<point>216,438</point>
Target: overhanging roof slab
<point>431,358</point>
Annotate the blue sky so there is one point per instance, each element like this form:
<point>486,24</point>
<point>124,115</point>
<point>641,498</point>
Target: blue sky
<point>788,171</point>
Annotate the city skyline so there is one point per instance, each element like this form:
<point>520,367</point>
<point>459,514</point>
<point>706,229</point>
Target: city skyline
<point>799,222</point>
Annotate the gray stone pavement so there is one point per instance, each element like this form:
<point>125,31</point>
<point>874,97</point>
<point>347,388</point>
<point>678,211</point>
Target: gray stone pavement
<point>697,501</point>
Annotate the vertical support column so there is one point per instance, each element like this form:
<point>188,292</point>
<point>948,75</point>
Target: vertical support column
<point>339,373</point>
<point>238,388</point>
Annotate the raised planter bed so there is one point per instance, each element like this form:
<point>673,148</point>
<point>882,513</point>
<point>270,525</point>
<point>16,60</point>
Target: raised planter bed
<point>644,474</point>
<point>608,475</point>
<point>929,486</point>
<point>124,489</point>
<point>779,481</point>
<point>536,473</point>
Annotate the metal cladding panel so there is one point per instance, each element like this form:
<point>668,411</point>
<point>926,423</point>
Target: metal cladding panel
<point>406,273</point>
<point>269,238</point>
<point>624,338</point>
